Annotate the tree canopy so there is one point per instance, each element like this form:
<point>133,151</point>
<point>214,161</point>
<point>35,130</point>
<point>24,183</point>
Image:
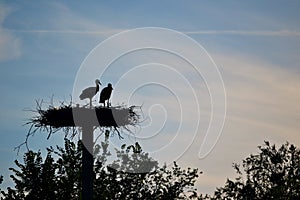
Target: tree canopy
<point>133,175</point>
<point>272,173</point>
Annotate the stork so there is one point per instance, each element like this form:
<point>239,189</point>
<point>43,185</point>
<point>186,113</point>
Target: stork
<point>90,92</point>
<point>105,94</point>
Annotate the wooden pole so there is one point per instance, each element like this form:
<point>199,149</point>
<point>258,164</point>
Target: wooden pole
<point>87,163</point>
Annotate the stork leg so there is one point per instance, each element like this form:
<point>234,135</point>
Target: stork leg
<point>90,103</point>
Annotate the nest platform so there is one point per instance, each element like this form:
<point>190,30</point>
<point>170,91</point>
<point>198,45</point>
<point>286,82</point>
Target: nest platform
<point>68,116</point>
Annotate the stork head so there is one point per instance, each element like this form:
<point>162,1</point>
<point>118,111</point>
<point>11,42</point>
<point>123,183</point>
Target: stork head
<point>110,86</point>
<point>97,82</point>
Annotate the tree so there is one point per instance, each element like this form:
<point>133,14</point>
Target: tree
<point>271,174</point>
<point>58,176</point>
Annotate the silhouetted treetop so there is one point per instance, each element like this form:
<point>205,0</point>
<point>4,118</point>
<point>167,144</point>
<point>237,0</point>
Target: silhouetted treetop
<point>273,173</point>
<point>58,176</point>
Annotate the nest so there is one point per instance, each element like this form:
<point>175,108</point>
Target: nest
<point>68,116</point>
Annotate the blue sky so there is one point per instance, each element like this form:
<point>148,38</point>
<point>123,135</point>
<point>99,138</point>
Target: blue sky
<point>255,44</point>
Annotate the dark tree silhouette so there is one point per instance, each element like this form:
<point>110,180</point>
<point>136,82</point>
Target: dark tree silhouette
<point>271,174</point>
<point>58,176</point>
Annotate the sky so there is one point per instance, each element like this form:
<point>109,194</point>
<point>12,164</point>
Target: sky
<point>248,56</point>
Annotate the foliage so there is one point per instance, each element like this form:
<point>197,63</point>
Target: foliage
<point>58,176</point>
<point>271,174</point>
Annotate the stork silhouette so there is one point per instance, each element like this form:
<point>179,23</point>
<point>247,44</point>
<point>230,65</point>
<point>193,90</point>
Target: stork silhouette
<point>90,92</point>
<point>105,94</point>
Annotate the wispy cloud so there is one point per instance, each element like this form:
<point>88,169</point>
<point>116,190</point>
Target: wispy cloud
<point>262,104</point>
<point>281,33</point>
<point>10,45</point>
<point>103,32</point>
<point>262,92</point>
<point>110,31</point>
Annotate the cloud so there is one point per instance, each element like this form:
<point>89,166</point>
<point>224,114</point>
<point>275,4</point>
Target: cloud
<point>10,45</point>
<point>279,33</point>
<point>262,104</point>
<point>79,32</point>
<point>63,20</point>
<point>262,92</point>
<point>110,31</point>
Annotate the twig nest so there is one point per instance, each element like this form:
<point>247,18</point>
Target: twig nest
<point>68,116</point>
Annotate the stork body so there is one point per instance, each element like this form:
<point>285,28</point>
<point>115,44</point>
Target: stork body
<point>105,94</point>
<point>90,92</point>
